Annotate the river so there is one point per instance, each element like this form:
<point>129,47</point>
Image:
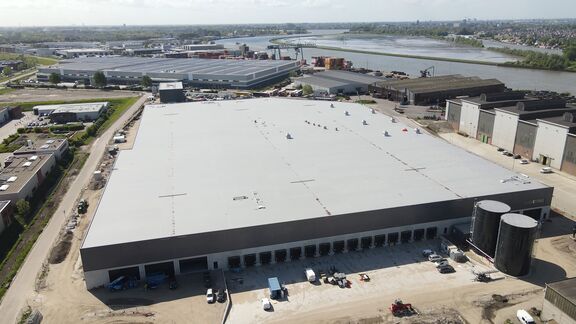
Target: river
<point>515,78</point>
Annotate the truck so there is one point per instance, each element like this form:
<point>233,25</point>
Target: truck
<point>310,275</point>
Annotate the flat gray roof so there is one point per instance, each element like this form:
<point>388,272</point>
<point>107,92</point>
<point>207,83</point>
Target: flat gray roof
<point>73,108</point>
<point>171,65</point>
<point>203,167</point>
<point>170,86</point>
<point>332,79</point>
<point>566,288</point>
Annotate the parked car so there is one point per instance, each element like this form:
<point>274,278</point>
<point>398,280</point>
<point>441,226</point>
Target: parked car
<point>500,149</point>
<point>509,154</point>
<point>266,305</point>
<point>524,161</point>
<point>446,269</point>
<point>209,296</point>
<point>442,263</point>
<point>221,296</point>
<point>434,257</point>
<point>546,170</point>
<point>427,252</point>
<point>517,156</point>
<point>524,317</point>
<point>504,152</point>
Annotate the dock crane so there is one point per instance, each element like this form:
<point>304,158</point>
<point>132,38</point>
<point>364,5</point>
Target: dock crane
<point>426,72</point>
<point>298,48</point>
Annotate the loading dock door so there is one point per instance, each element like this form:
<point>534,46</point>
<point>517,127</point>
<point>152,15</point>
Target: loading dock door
<point>194,265</point>
<point>166,268</point>
<point>132,272</point>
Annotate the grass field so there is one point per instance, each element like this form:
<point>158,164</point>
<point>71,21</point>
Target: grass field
<point>27,106</point>
<point>39,60</point>
<point>4,91</point>
<point>120,107</point>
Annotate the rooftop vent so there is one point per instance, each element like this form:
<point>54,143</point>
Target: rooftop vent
<point>44,147</point>
<point>373,111</point>
<point>385,133</point>
<point>346,113</point>
<point>26,164</point>
<point>50,141</point>
<point>33,158</point>
<point>392,119</point>
<point>4,187</point>
<point>325,127</point>
<point>364,122</point>
<point>289,136</point>
<point>11,179</point>
<point>331,105</point>
<point>336,129</point>
<point>417,130</point>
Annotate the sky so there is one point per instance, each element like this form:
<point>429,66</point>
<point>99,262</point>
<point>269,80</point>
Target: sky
<point>192,12</point>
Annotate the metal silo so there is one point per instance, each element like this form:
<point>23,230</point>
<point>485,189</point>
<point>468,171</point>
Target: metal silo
<point>485,223</point>
<point>515,241</point>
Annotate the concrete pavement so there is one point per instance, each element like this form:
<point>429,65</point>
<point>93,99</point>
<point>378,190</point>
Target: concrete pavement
<point>22,287</point>
<point>564,198</point>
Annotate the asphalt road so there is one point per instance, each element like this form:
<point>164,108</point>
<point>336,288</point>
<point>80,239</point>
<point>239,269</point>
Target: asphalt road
<point>22,286</point>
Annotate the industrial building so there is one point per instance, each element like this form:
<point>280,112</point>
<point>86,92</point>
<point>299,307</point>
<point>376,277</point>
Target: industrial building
<point>434,90</point>
<point>240,183</point>
<point>5,214</point>
<point>203,47</point>
<point>65,113</point>
<point>83,52</point>
<point>171,92</point>
<point>338,82</point>
<point>23,174</point>
<point>560,302</point>
<point>56,146</point>
<point>202,73</point>
<point>541,130</point>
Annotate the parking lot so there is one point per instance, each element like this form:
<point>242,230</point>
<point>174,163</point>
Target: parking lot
<point>393,272</point>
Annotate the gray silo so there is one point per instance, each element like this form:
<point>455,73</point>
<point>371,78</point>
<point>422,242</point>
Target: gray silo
<point>515,241</point>
<point>485,223</point>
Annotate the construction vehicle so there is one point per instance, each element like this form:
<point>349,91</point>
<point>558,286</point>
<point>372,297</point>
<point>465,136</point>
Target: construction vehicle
<point>426,72</point>
<point>398,309</point>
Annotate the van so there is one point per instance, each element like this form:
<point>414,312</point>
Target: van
<point>310,275</point>
<point>524,317</point>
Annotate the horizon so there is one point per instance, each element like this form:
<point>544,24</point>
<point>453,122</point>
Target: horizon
<point>75,13</point>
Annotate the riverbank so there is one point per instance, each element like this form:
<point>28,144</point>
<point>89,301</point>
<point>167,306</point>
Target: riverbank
<point>516,65</point>
<point>280,41</point>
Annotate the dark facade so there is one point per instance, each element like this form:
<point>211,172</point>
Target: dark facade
<point>172,95</point>
<point>515,241</point>
<point>121,255</point>
<point>453,116</point>
<point>485,126</point>
<point>525,139</point>
<point>562,295</point>
<point>569,160</point>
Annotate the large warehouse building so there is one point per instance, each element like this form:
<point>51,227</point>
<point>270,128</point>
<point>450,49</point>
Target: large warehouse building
<point>241,74</point>
<point>240,183</point>
<point>434,90</point>
<point>338,82</point>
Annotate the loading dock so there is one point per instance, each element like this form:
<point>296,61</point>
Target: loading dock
<point>366,242</point>
<point>324,249</point>
<point>250,260</point>
<point>310,251</point>
<point>131,272</point>
<point>265,258</point>
<point>166,268</point>
<point>295,253</point>
<point>193,265</point>
<point>393,238</point>
<point>431,233</point>
<point>405,236</point>
<point>234,262</point>
<point>352,244</point>
<point>379,240</point>
<point>280,255</point>
<point>418,234</point>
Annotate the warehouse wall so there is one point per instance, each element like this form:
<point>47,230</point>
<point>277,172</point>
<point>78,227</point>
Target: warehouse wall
<point>549,145</point>
<point>279,233</point>
<point>485,127</point>
<point>569,161</point>
<point>504,134</point>
<point>469,117</point>
<point>525,139</point>
<point>453,112</point>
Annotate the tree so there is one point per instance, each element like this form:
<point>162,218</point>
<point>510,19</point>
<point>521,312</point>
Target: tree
<point>570,52</point>
<point>307,89</point>
<point>22,209</point>
<point>100,79</point>
<point>7,70</point>
<point>146,81</point>
<point>54,78</point>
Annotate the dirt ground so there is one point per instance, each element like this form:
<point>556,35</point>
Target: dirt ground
<point>32,95</point>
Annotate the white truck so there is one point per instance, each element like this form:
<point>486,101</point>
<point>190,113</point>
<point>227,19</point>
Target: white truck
<point>310,275</point>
